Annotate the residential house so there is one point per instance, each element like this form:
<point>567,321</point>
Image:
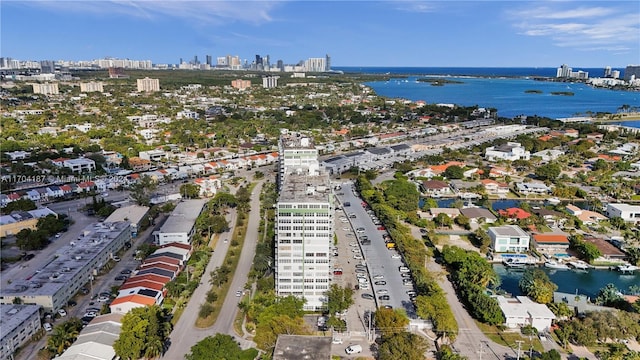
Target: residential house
<point>548,155</point>
<point>54,191</point>
<point>495,187</point>
<point>139,164</point>
<point>587,217</point>
<point>551,217</point>
<point>495,172</point>
<point>124,304</point>
<point>508,238</point>
<point>96,340</point>
<point>522,311</point>
<point>628,213</point>
<point>436,188</point>
<point>33,195</point>
<point>550,243</point>
<point>478,215</point>
<point>609,252</point>
<point>77,166</point>
<point>86,186</point>
<point>450,212</point>
<point>209,186</point>
<point>536,188</point>
<point>514,213</point>
<point>510,151</point>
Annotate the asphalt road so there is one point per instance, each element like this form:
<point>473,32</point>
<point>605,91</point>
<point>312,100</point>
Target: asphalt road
<point>185,334</point>
<point>377,257</point>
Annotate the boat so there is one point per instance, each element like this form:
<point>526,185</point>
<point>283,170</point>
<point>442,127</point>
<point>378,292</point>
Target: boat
<point>553,201</point>
<point>627,268</point>
<point>579,265</point>
<point>513,263</point>
<point>551,264</point>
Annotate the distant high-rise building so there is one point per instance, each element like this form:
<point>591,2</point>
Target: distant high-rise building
<point>632,72</point>
<point>195,60</point>
<point>269,82</point>
<point>46,89</point>
<point>563,71</point>
<point>240,84</point>
<point>327,63</point>
<point>258,60</point>
<point>315,65</point>
<point>148,85</point>
<point>280,65</point>
<point>93,86</point>
<point>615,74</point>
<point>117,73</point>
<point>47,67</point>
<point>607,72</point>
<point>180,61</point>
<point>209,58</point>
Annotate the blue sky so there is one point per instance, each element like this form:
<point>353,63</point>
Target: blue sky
<point>355,33</point>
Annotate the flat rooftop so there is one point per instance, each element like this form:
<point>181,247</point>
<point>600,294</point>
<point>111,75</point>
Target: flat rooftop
<point>183,216</point>
<point>305,188</point>
<point>508,230</point>
<point>132,213</point>
<point>296,141</point>
<point>295,347</point>
<point>12,315</point>
<point>67,262</point>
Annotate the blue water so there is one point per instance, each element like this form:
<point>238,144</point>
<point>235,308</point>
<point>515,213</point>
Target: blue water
<point>503,89</point>
<point>586,283</point>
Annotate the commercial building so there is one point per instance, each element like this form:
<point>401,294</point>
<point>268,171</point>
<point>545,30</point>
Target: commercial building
<point>96,340</point>
<point>304,236</point>
<point>628,213</point>
<point>508,238</point>
<point>296,154</point>
<point>18,220</point>
<point>46,89</point>
<point>134,214</point>
<point>92,86</point>
<point>180,225</point>
<point>73,267</point>
<point>18,323</point>
<point>148,85</point>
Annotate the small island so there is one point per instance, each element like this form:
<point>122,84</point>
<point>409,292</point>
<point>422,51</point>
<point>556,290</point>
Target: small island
<point>563,93</point>
<point>533,91</point>
<point>439,81</point>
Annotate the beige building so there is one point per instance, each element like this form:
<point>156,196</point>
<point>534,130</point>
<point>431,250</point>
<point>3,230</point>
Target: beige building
<point>148,85</point>
<point>241,84</point>
<point>12,224</point>
<point>46,89</point>
<point>19,323</point>
<point>93,86</point>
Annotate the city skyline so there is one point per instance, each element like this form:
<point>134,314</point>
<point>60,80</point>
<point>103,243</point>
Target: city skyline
<point>355,33</point>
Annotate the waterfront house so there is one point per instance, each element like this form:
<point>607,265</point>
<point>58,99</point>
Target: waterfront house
<point>536,188</point>
<point>548,155</point>
<point>587,217</point>
<point>522,311</point>
<point>578,303</point>
<point>450,212</point>
<point>514,213</point>
<point>508,238</point>
<point>550,243</point>
<point>435,188</point>
<point>510,151</point>
<point>495,187</point>
<point>628,213</point>
<point>609,252</point>
<point>478,215</point>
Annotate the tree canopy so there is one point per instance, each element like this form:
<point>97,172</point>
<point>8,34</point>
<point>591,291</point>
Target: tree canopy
<point>536,284</point>
<point>219,347</point>
<point>143,333</point>
<point>403,345</point>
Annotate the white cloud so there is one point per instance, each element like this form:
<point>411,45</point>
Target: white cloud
<point>615,29</point>
<point>415,6</point>
<point>208,12</point>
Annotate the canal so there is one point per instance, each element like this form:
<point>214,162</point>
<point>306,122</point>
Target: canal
<point>584,282</point>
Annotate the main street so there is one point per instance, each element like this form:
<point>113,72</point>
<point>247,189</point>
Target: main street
<point>185,334</point>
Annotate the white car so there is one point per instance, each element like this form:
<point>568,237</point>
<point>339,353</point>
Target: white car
<point>90,314</point>
<point>336,340</point>
<point>353,244</point>
<point>353,349</point>
<point>378,277</point>
<point>62,312</point>
<point>382,292</point>
<point>363,286</point>
<point>345,229</point>
<point>116,258</point>
<point>396,256</point>
<point>363,281</point>
<point>103,298</point>
<point>47,327</point>
<point>357,257</point>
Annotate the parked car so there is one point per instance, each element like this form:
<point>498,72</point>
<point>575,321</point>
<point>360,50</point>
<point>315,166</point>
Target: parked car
<point>380,282</point>
<point>47,327</point>
<point>336,341</point>
<point>125,272</point>
<point>62,312</point>
<point>353,349</point>
<point>367,296</point>
<point>384,297</point>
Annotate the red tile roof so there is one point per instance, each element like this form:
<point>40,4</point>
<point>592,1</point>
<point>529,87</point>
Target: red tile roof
<point>514,213</point>
<point>136,298</point>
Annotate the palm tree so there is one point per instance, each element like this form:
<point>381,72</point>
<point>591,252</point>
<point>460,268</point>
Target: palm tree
<point>63,336</point>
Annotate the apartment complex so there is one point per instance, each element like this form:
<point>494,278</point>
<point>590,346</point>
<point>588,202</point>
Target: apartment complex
<point>240,84</point>
<point>46,89</point>
<point>304,224</point>
<point>18,323</point>
<point>73,267</point>
<point>147,85</point>
<point>92,86</point>
<point>269,82</point>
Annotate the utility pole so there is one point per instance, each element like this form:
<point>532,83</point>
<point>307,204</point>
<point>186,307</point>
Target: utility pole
<point>519,347</point>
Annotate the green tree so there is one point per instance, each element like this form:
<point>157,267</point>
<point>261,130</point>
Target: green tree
<point>445,353</point>
<point>429,203</point>
<point>609,296</point>
<point>550,171</point>
<point>560,309</point>
<point>391,321</point>
<point>219,347</point>
<point>63,335</point>
<point>536,284</point>
<point>143,333</point>
<point>339,298</point>
<point>403,345</point>
<point>267,331</point>
<point>190,191</point>
<point>142,190</point>
<point>552,354</point>
<point>454,172</point>
<point>443,220</point>
<point>402,195</point>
